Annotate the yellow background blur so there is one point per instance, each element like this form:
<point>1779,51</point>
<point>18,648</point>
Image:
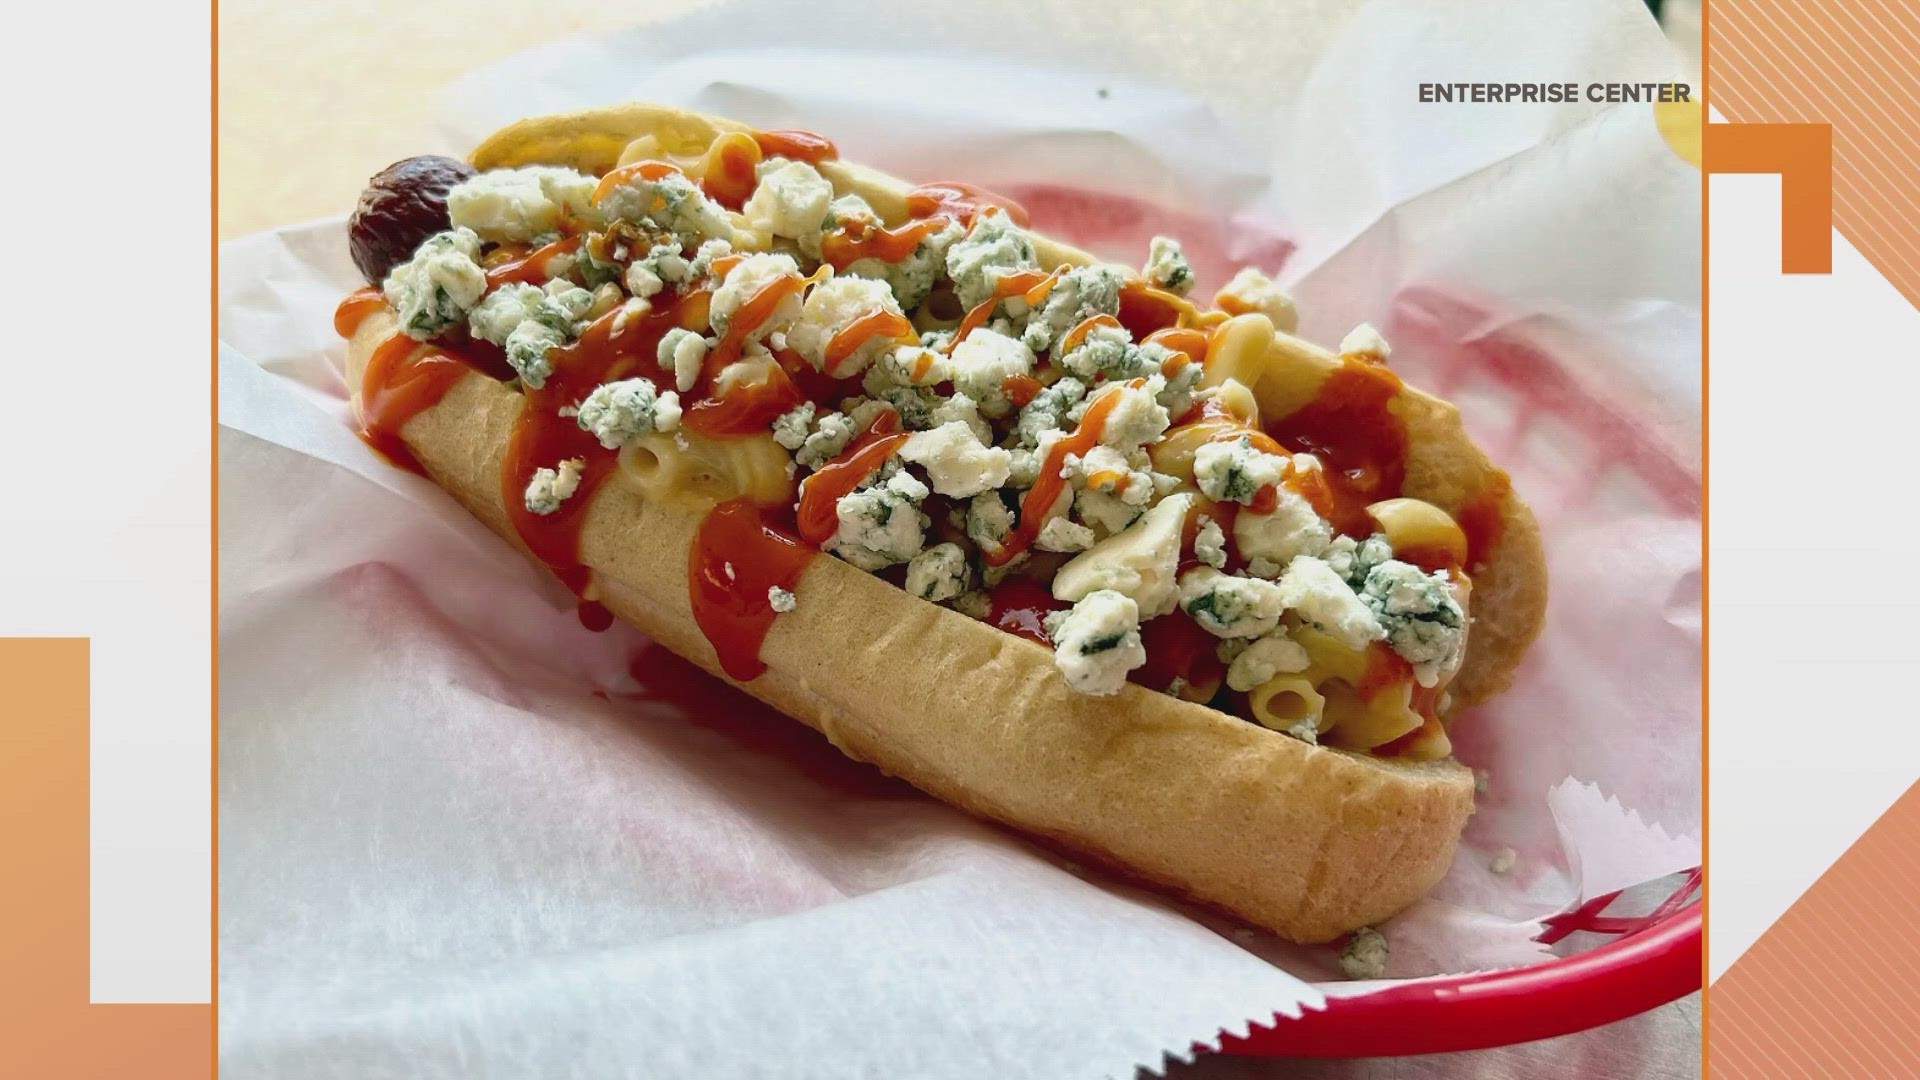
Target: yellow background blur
<point>316,97</point>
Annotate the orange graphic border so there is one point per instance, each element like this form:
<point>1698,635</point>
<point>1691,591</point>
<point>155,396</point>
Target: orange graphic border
<point>46,1019</point>
<point>1832,988</point>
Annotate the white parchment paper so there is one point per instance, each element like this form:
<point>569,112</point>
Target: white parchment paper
<point>461,839</point>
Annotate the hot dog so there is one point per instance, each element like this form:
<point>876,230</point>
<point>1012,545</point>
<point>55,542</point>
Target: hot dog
<point>1155,581</point>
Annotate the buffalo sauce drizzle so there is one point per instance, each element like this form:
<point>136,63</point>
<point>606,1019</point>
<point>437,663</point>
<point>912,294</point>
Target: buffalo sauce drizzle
<point>1021,608</point>
<point>1146,311</point>
<point>403,379</point>
<point>531,267</point>
<point>609,350</point>
<point>355,308</point>
<point>1483,518</point>
<point>1080,331</point>
<point>822,490</point>
<point>1046,491</point>
<point>797,145</point>
<point>744,410</point>
<point>750,408</point>
<point>1188,345</point>
<point>961,201</point>
<point>876,324</point>
<point>1362,445</point>
<point>1021,389</point>
<point>1031,286</point>
<point>860,239</point>
<point>731,175</point>
<point>740,554</point>
<point>1179,648</point>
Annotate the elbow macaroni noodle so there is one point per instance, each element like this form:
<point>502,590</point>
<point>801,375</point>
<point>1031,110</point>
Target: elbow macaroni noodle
<point>1173,454</point>
<point>1328,690</point>
<point>1413,525</point>
<point>1285,701</point>
<point>684,465</point>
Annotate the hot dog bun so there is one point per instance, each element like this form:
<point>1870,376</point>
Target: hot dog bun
<point>1308,841</point>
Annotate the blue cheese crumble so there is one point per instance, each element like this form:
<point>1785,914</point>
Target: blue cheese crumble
<point>439,285</point>
<point>982,363</point>
<point>938,573</point>
<point>791,429</point>
<point>1167,267</point>
<point>790,202</point>
<point>780,600</point>
<point>830,435</point>
<point>1364,340</point>
<point>529,322</point>
<point>1048,410</point>
<point>1231,470</point>
<point>1252,292</point>
<point>831,307</point>
<point>663,265</point>
<point>519,205</point>
<point>881,524</point>
<point>1365,956</point>
<point>1423,621</point>
<point>1231,607</point>
<point>551,487</point>
<point>1097,643</point>
<point>1106,511</point>
<point>989,519</point>
<point>1293,528</point>
<point>1325,601</point>
<point>1210,544</point>
<point>682,352</point>
<point>671,204</point>
<point>1108,352</point>
<point>913,277</point>
<point>1083,292</point>
<point>1274,654</point>
<point>1136,418</point>
<point>956,463</point>
<point>620,412</point>
<point>995,247</point>
<point>1061,534</point>
<point>1354,559</point>
<point>744,282</point>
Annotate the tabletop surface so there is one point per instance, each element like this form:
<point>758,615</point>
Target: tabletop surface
<point>342,87</point>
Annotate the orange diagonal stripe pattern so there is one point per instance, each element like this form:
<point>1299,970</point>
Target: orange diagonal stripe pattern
<point>1833,988</point>
<point>47,1027</point>
<point>1852,64</point>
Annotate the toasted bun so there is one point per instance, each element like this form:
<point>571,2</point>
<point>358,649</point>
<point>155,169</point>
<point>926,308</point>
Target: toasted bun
<point>1308,841</point>
<point>1311,842</point>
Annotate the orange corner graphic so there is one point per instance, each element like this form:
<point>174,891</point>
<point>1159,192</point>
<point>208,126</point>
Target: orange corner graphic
<point>1803,156</point>
<point>1853,66</point>
<point>48,1028</point>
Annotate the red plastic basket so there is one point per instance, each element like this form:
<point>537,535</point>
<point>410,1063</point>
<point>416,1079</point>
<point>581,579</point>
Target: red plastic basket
<point>1654,959</point>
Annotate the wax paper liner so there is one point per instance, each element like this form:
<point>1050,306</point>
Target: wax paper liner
<point>460,837</point>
